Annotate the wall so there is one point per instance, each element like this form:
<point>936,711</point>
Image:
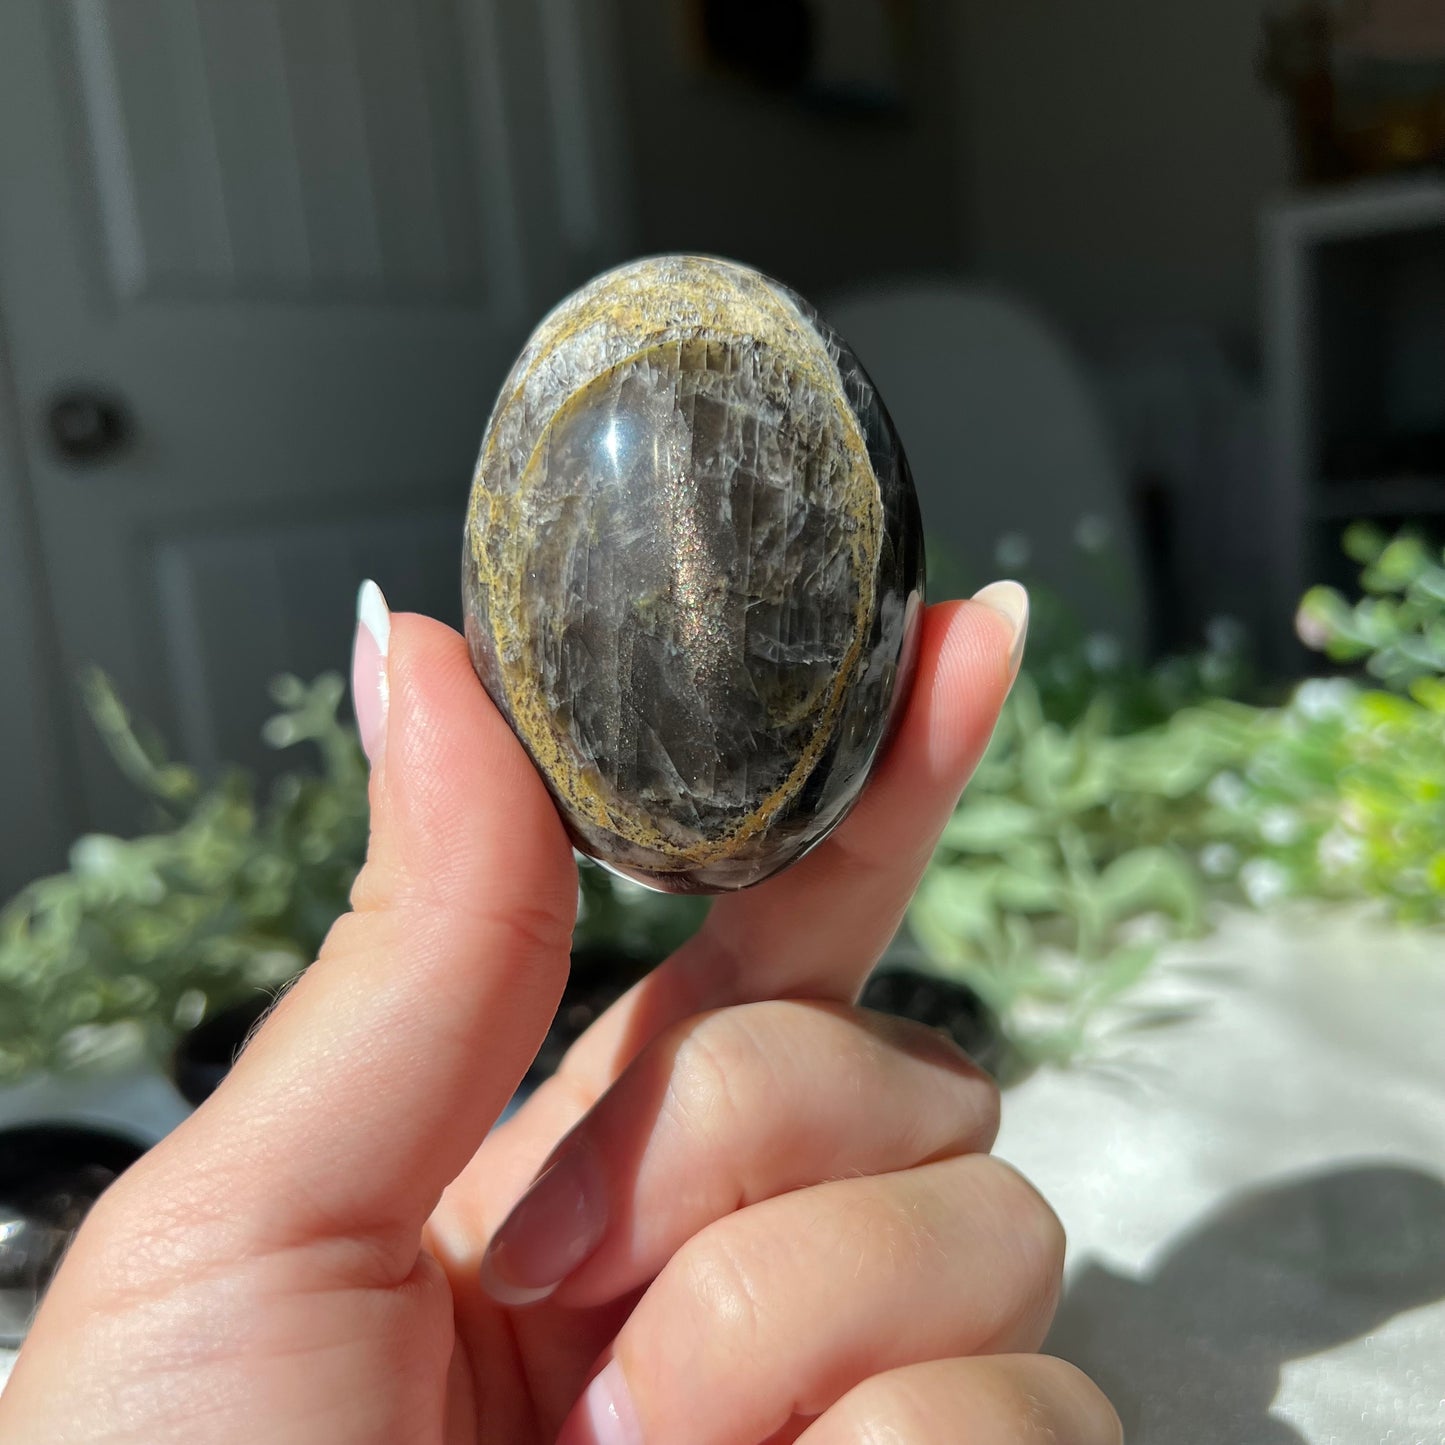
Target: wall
<point>815,198</point>
<point>1115,154</point>
<point>1108,159</point>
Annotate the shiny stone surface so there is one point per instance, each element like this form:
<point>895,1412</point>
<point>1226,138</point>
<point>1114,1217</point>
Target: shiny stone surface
<point>692,570</point>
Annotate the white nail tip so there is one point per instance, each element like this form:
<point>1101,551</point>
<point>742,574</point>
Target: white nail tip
<point>510,1295</point>
<point>374,615</point>
<point>1009,600</point>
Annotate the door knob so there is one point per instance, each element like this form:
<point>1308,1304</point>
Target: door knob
<point>87,426</point>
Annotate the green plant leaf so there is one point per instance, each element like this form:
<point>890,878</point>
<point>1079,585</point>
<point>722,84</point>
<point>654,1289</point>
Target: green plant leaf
<point>990,825</point>
<point>1148,880</point>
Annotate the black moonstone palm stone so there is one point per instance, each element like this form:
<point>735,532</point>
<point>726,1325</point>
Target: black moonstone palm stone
<point>693,571</point>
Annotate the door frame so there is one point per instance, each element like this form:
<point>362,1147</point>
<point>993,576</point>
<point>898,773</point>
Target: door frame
<point>40,808</point>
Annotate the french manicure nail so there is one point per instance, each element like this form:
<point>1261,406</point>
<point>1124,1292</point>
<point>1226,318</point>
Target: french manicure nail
<point>555,1225</point>
<point>604,1415</point>
<point>369,690</point>
<point>1011,601</point>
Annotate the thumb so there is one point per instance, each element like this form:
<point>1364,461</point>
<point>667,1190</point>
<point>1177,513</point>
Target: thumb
<point>381,1071</point>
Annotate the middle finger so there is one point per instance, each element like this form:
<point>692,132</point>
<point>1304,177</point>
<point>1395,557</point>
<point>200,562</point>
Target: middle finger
<point>723,1111</point>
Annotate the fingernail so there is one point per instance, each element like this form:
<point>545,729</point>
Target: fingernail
<point>1011,601</point>
<point>604,1415</point>
<point>555,1225</point>
<point>369,691</point>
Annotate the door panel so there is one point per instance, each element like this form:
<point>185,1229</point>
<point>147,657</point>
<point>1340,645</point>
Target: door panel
<point>284,150</point>
<point>298,578</point>
<point>299,241</point>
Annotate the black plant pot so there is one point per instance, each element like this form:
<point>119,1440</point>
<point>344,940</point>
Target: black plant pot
<point>50,1175</point>
<point>599,977</point>
<point>204,1056</point>
<point>953,1007</point>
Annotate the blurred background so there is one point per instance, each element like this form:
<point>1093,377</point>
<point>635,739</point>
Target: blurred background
<point>1155,292</point>
<point>265,264</point>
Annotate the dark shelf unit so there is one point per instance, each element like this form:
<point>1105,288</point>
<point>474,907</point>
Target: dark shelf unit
<point>1354,338</point>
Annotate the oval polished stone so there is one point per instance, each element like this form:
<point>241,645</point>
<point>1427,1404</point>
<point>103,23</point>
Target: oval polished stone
<point>692,571</point>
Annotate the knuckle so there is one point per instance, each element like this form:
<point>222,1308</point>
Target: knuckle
<point>890,1410</point>
<point>1035,1394</point>
<point>988,1109</point>
<point>137,1239</point>
<point>1038,1232</point>
<point>1020,1401</point>
<point>720,1285</point>
<point>1030,1399</point>
<point>897,1233</point>
<point>1103,1425</point>
<point>976,1093</point>
<point>537,929</point>
<point>721,1075</point>
<point>1035,1237</point>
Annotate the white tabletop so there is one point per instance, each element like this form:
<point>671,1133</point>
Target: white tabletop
<point>1255,1198</point>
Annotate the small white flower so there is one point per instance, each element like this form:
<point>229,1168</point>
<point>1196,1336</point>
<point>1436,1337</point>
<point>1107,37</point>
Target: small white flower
<point>1227,790</point>
<point>1339,852</point>
<point>190,1009</point>
<point>1092,533</point>
<point>1323,697</point>
<point>1219,860</point>
<point>1013,551</point>
<point>1280,826</point>
<point>1354,817</point>
<point>1146,928</point>
<point>1263,881</point>
<point>1103,652</point>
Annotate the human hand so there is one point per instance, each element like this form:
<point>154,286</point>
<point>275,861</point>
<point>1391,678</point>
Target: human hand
<point>765,1215</point>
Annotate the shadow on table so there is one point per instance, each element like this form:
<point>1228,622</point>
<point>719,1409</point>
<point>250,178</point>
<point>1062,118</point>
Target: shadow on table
<point>1191,1354</point>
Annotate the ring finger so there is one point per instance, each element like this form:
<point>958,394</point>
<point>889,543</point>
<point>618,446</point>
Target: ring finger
<point>807,1295</point>
<point>997,1400</point>
<point>696,1128</point>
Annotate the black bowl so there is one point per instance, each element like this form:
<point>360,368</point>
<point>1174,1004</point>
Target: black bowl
<point>50,1175</point>
<point>204,1056</point>
<point>952,1007</point>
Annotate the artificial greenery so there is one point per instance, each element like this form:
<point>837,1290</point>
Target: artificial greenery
<point>144,937</point>
<point>1115,804</point>
<point>1070,861</point>
<point>620,918</point>
<point>1093,834</point>
<point>1344,796</point>
<point>1397,630</point>
<point>231,893</point>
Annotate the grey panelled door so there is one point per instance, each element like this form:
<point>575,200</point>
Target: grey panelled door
<point>262,265</point>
